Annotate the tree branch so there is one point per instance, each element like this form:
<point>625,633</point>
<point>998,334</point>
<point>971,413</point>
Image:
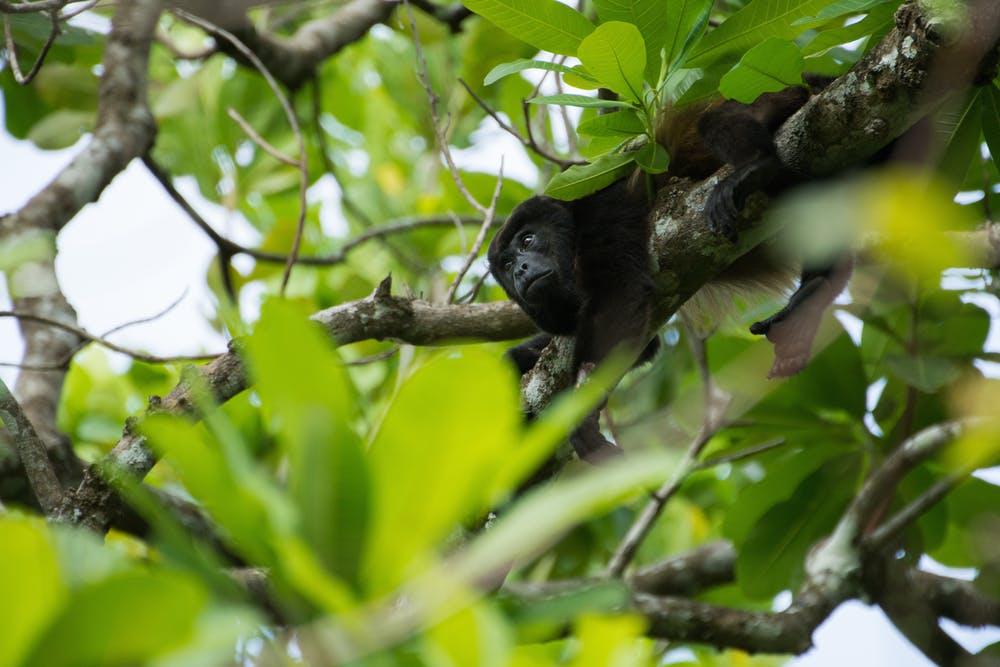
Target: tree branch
<point>380,316</point>
<point>32,452</point>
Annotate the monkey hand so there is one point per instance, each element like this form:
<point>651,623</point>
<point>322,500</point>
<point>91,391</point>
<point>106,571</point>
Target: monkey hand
<point>722,209</point>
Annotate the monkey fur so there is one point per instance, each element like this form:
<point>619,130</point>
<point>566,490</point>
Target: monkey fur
<point>582,267</point>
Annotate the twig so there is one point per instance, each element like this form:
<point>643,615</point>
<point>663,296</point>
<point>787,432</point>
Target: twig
<point>12,50</point>
<point>32,452</point>
<point>740,455</point>
<point>232,248</point>
<point>302,164</point>
<point>477,245</point>
<point>432,97</point>
<point>164,40</point>
<point>715,411</point>
<point>65,16</point>
<point>259,140</point>
<point>83,333</point>
<point>527,142</point>
<point>30,7</point>
<point>894,525</point>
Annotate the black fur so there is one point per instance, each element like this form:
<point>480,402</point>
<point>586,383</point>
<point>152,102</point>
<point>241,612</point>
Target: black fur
<point>582,267</point>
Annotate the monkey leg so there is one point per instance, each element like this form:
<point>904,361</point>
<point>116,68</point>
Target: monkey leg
<point>793,328</point>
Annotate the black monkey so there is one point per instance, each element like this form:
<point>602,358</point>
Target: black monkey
<point>582,267</point>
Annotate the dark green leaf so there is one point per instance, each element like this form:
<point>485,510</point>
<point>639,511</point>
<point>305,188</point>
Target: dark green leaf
<point>958,131</point>
<point>772,557</point>
<point>758,21</point>
<point>653,158</point>
<point>621,124</point>
<point>991,121</point>
<point>579,181</point>
<point>772,65</point>
<point>584,101</point>
<point>925,372</point>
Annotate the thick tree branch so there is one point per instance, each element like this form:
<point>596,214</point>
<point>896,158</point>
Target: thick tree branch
<point>380,316</point>
<point>293,60</point>
<point>861,112</point>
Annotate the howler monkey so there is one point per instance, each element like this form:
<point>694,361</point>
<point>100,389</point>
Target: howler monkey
<point>582,267</point>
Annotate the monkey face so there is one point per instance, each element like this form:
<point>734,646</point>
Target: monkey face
<point>532,257</point>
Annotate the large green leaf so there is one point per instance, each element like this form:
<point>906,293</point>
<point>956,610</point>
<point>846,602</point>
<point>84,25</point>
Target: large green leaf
<point>506,69</point>
<point>758,21</point>
<point>305,389</point>
<point>546,24</point>
<point>98,626</point>
<point>649,17</point>
<point>621,125</point>
<point>580,181</point>
<point>772,65</point>
<point>616,54</point>
<point>435,457</point>
<point>583,101</point>
<point>772,557</point>
<point>31,583</point>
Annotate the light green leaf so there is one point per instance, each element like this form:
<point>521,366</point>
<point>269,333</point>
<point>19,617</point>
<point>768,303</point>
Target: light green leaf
<point>29,575</point>
<point>616,54</point>
<point>308,396</point>
<point>758,21</point>
<point>506,69</point>
<point>649,16</point>
<point>579,181</point>
<point>98,626</point>
<point>571,100</point>
<point>435,457</point>
<point>546,24</point>
<point>770,66</point>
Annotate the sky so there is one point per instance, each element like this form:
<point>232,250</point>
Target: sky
<point>134,252</point>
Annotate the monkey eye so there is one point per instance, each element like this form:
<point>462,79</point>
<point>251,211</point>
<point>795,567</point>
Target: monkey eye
<point>526,240</point>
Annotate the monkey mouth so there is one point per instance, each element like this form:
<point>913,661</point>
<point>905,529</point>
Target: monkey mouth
<point>538,280</point>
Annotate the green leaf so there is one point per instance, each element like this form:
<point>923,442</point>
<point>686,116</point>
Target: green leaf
<point>435,457</point>
<point>758,21</point>
<point>770,66</point>
<point>991,121</point>
<point>506,69</point>
<point>98,626</point>
<point>957,130</point>
<point>925,372</point>
<point>579,181</point>
<point>877,20</point>
<point>570,100</point>
<point>31,583</point>
<point>61,128</point>
<point>546,24</point>
<point>649,17</point>
<point>771,559</point>
<point>686,21</point>
<point>844,7</point>
<point>616,54</point>
<point>306,392</point>
<point>653,158</point>
<point>622,124</point>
